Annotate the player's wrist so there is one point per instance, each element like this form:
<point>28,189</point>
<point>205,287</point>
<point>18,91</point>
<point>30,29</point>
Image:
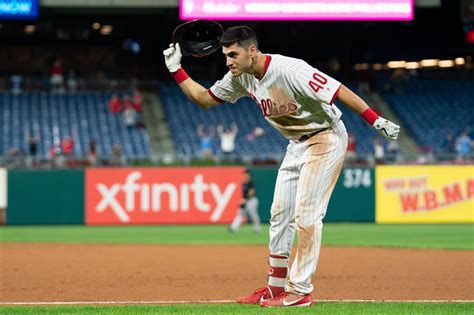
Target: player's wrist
<point>370,116</point>
<point>179,75</point>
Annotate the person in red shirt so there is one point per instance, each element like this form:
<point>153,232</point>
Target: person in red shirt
<point>114,104</point>
<point>137,101</point>
<point>67,146</point>
<point>57,79</point>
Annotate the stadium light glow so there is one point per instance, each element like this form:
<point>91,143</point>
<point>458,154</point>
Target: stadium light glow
<point>459,61</point>
<point>361,66</point>
<point>30,29</point>
<point>412,65</point>
<point>429,62</point>
<point>446,63</point>
<point>396,64</point>
<point>106,29</point>
<point>377,66</point>
<point>96,25</point>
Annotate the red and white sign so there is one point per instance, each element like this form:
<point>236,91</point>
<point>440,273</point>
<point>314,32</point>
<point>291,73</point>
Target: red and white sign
<point>162,195</point>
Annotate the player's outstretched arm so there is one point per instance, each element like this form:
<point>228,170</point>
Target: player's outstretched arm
<point>384,127</point>
<point>193,90</point>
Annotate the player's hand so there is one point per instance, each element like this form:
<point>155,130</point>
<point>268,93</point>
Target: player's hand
<point>386,128</point>
<point>173,57</point>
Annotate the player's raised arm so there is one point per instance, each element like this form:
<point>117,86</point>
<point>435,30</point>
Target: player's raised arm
<point>193,90</point>
<point>383,126</point>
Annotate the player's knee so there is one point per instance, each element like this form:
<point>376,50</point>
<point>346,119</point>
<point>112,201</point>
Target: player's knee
<point>307,224</point>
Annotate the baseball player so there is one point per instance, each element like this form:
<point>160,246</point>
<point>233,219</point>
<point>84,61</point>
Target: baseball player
<point>298,100</point>
<point>249,204</point>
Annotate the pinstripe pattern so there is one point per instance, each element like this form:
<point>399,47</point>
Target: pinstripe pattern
<point>305,182</point>
<point>295,98</point>
<point>297,107</point>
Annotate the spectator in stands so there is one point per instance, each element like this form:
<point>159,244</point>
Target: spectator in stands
<point>227,138</point>
<point>57,79</point>
<point>379,151</point>
<point>55,155</point>
<point>16,84</point>
<point>117,159</point>
<point>32,142</point>
<point>137,101</point>
<point>393,151</point>
<point>67,146</point>
<point>129,116</point>
<point>449,144</point>
<point>92,153</point>
<point>463,146</point>
<point>72,83</point>
<point>255,133</point>
<point>54,151</point>
<point>351,155</point>
<point>114,104</point>
<point>205,138</point>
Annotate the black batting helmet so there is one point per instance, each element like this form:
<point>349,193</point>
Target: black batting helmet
<point>198,38</point>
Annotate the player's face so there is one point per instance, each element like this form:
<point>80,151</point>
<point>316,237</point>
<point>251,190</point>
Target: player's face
<point>238,59</point>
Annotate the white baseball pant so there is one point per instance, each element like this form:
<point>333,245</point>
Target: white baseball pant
<point>305,181</point>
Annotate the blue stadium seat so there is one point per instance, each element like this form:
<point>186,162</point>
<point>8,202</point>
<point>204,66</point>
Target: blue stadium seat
<point>431,109</point>
<point>84,115</point>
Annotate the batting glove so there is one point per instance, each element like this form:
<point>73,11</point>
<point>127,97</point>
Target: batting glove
<point>173,57</point>
<point>386,128</point>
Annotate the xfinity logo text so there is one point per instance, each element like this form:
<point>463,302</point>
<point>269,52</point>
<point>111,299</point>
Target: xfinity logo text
<point>131,196</point>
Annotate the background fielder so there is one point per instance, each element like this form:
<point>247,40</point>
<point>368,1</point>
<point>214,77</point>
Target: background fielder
<point>249,204</point>
<point>297,100</point>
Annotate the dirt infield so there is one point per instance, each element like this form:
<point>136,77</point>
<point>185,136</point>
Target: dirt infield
<point>60,272</point>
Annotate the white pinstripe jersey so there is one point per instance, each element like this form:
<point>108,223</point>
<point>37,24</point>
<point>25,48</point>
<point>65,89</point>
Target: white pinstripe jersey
<point>294,97</point>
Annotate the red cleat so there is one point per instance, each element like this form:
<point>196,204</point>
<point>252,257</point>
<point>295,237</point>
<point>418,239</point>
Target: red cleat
<point>287,299</point>
<point>258,296</point>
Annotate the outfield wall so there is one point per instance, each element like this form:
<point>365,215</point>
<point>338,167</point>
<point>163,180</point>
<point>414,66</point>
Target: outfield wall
<point>209,195</point>
<point>45,197</point>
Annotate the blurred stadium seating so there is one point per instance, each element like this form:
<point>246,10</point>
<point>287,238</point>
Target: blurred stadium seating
<point>431,109</point>
<point>84,115</point>
<point>127,57</point>
<point>244,113</point>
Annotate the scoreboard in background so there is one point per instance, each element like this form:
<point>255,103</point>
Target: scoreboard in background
<point>18,9</point>
<point>296,9</point>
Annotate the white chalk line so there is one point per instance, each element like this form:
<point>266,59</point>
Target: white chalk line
<point>214,302</point>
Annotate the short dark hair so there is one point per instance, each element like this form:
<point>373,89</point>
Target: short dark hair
<point>244,36</point>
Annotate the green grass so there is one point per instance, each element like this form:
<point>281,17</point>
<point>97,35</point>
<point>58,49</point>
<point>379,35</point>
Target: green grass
<point>459,236</point>
<point>321,308</point>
